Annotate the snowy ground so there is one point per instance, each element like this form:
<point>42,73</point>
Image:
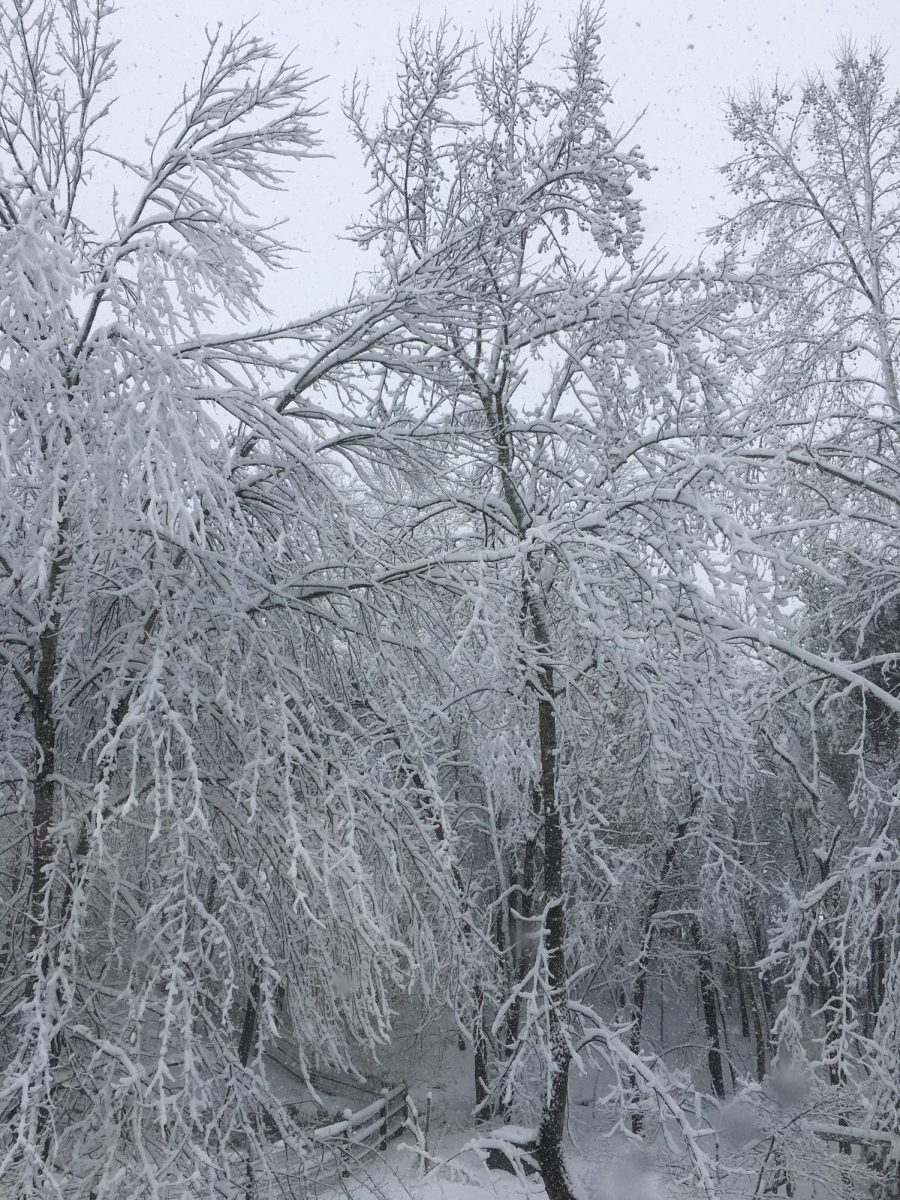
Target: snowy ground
<point>462,1175</point>
<point>603,1163</point>
<point>431,1061</point>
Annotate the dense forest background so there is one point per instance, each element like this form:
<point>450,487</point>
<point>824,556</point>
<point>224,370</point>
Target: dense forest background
<point>513,644</point>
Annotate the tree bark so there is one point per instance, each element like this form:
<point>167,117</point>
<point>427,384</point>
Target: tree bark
<point>549,1153</point>
<point>479,1038</point>
<point>552,1126</point>
<point>710,1014</point>
<point>44,786</point>
<point>248,1027</point>
<point>43,812</point>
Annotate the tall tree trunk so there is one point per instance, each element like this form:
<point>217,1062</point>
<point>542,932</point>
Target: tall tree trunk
<point>479,1038</point>
<point>875,976</point>
<point>246,1042</point>
<point>760,1032</point>
<point>552,1127</point>
<point>42,816</point>
<point>637,1023</point>
<point>710,1014</point>
<point>44,790</point>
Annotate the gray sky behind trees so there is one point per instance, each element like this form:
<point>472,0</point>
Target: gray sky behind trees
<point>675,59</point>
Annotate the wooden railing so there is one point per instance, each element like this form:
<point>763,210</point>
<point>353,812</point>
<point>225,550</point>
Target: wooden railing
<point>360,1132</point>
<point>369,1128</point>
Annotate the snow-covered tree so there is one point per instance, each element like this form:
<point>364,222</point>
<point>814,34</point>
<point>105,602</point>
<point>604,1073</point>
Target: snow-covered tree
<point>558,391</point>
<point>818,180</point>
<point>203,840</point>
<point>521,631</point>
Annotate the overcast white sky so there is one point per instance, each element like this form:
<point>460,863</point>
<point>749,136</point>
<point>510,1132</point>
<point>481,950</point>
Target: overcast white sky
<point>673,58</point>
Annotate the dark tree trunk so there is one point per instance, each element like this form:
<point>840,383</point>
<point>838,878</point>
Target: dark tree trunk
<point>550,1135</point>
<point>247,1039</point>
<point>710,1014</point>
<point>876,974</point>
<point>637,1022</point>
<point>479,1038</point>
<point>759,941</point>
<point>552,1127</point>
<point>246,1042</point>
<point>43,812</point>
<point>760,1029</point>
<point>44,789</point>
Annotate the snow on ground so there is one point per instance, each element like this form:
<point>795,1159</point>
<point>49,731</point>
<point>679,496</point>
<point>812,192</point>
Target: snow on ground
<point>603,1162</point>
<point>428,1059</point>
<point>462,1175</point>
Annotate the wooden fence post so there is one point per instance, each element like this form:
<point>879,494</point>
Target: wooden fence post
<point>385,1092</point>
